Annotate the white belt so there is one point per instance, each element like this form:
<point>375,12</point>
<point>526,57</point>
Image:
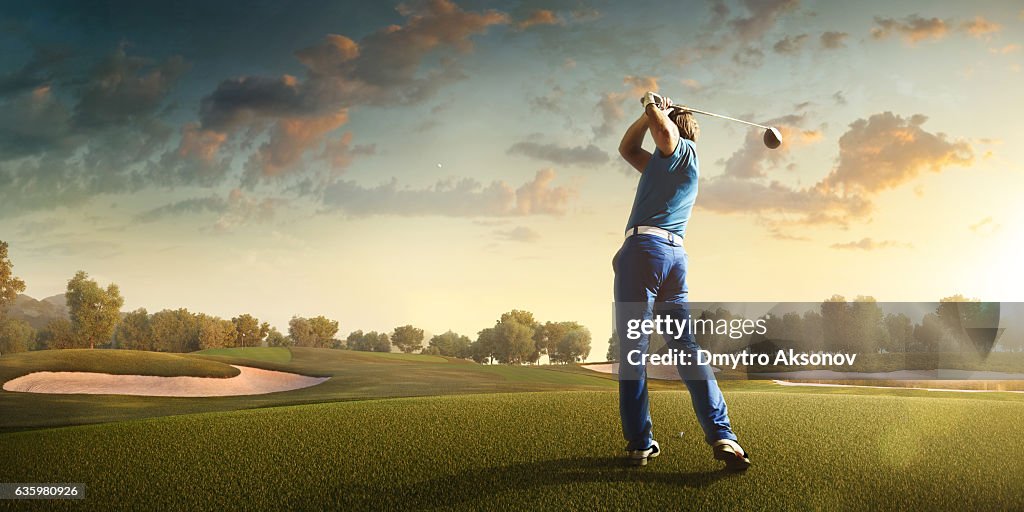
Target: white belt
<point>651,230</point>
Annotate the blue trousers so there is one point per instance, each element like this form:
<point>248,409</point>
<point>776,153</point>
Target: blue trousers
<point>650,279</point>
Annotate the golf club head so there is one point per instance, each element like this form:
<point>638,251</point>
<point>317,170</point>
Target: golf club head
<point>772,137</point>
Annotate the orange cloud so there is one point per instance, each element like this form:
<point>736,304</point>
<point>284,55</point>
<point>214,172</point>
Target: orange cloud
<point>540,17</point>
<point>868,244</point>
<point>886,150</point>
<point>1005,50</point>
<point>289,140</point>
<point>913,28</point>
<point>198,143</point>
<point>610,104</point>
<point>980,27</point>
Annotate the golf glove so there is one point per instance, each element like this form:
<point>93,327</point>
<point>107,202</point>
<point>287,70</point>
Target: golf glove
<point>652,97</point>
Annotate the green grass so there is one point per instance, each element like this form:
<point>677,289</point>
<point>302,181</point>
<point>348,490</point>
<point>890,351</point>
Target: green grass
<point>118,362</point>
<point>272,354</point>
<point>540,451</point>
<point>354,376</point>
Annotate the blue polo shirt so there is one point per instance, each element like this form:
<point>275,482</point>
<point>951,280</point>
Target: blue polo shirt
<point>667,190</point>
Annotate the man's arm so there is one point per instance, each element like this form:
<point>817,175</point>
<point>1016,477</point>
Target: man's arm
<point>631,146</point>
<point>664,132</point>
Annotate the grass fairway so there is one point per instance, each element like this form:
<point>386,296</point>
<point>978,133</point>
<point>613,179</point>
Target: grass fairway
<point>272,354</point>
<point>354,376</point>
<point>540,451</point>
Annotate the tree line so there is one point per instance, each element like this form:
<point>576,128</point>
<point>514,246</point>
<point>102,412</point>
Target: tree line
<point>857,326</point>
<point>95,320</point>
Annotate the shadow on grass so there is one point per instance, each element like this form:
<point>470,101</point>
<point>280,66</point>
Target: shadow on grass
<point>477,485</point>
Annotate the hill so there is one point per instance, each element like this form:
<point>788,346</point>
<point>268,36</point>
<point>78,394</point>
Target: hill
<point>38,313</point>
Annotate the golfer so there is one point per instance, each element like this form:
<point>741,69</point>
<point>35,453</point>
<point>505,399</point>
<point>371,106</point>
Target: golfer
<point>650,279</point>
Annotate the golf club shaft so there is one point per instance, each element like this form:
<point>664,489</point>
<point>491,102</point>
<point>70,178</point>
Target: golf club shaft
<point>712,114</point>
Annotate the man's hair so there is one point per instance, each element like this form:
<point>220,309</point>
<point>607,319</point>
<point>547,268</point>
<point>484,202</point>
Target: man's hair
<point>687,123</point>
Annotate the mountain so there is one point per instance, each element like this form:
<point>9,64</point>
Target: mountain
<point>38,313</point>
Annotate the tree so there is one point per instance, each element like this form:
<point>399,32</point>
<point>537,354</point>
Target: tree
<point>369,342</point>
<point>537,340</point>
<point>215,332</point>
<point>324,331</point>
<point>566,341</point>
<point>867,328</point>
<point>94,311</point>
<point>451,345</point>
<point>407,338</point>
<point>312,332</point>
<point>58,334</point>
<point>836,324</point>
<point>574,346</point>
<point>10,286</point>
<point>249,332</point>
<point>175,330</point>
<point>134,332</point>
<point>613,347</point>
<point>276,339</point>
<point>482,350</point>
<point>900,332</point>
<point>514,341</point>
<point>15,336</point>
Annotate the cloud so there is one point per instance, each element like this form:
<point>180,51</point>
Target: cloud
<point>610,104</point>
<point>875,154</point>
<point>562,155</point>
<point>752,158</point>
<point>393,65</point>
<point>790,45</point>
<point>748,56</point>
<point>762,15</point>
<point>691,84</point>
<point>868,244</point>
<point>124,88</point>
<point>235,210</point>
<point>539,17</point>
<point>465,197</point>
<point>839,98</point>
<point>833,40</point>
<point>980,27</point>
<point>985,226</point>
<point>519,234</point>
<point>886,150</point>
<point>289,139</point>
<point>1005,50</point>
<point>913,28</point>
<point>40,70</point>
<point>33,228</point>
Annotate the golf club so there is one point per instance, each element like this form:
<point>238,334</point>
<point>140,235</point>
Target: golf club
<point>772,137</point>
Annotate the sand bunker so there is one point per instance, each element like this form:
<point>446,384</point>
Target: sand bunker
<point>251,381</point>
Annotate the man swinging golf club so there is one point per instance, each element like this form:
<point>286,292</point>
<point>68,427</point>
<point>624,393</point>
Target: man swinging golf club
<point>650,278</point>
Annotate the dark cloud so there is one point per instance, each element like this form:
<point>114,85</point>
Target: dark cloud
<point>761,17</point>
<point>396,64</point>
<point>868,244</point>
<point>913,28</point>
<point>748,56</point>
<point>125,88</point>
<point>465,197</point>
<point>562,155</point>
<point>38,71</point>
<point>235,210</point>
<point>790,45</point>
<point>833,40</point>
<point>839,98</point>
<point>886,150</point>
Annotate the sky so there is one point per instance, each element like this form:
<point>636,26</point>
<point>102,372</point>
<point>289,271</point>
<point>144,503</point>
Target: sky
<point>439,163</point>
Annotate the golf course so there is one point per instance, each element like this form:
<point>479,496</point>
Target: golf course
<point>388,431</point>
